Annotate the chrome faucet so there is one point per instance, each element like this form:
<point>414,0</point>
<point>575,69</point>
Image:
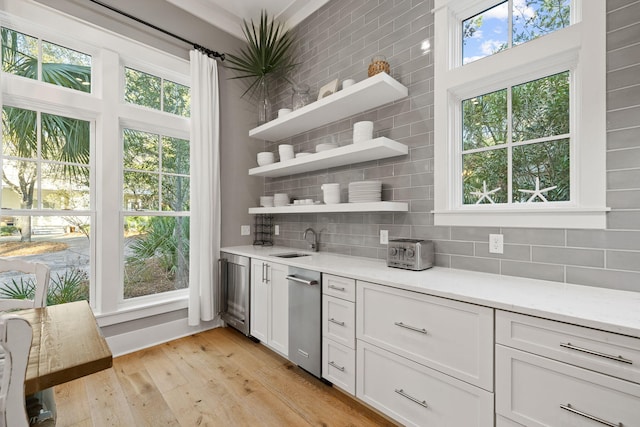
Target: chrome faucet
<point>314,245</point>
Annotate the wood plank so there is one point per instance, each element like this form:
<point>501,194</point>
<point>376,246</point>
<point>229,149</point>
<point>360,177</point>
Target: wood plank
<point>222,379</point>
<point>67,344</point>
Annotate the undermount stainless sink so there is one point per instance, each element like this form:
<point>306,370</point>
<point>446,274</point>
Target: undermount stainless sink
<point>291,255</point>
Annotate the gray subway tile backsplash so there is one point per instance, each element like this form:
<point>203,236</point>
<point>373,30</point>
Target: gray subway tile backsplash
<point>339,40</point>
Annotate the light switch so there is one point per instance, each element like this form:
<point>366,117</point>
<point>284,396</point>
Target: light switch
<point>384,237</point>
<point>276,230</point>
<point>245,230</point>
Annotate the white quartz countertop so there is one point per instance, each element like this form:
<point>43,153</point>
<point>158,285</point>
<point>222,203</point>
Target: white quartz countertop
<point>599,308</point>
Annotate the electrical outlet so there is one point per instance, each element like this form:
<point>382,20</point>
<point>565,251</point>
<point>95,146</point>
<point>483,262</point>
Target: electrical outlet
<point>276,230</point>
<point>245,230</point>
<point>496,243</point>
<point>384,237</point>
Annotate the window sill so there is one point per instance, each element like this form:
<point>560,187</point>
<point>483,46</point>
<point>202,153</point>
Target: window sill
<point>140,309</point>
<point>595,218</point>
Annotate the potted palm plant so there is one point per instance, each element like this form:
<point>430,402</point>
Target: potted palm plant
<point>267,56</point>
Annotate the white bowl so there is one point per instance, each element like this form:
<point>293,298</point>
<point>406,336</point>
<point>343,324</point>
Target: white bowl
<point>325,146</point>
<point>303,154</point>
<point>283,112</point>
<point>265,158</point>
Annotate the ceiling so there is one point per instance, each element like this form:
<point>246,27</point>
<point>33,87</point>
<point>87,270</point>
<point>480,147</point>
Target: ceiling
<point>228,14</point>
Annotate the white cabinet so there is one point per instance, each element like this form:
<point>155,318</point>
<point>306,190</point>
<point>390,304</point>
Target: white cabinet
<point>416,395</point>
<point>338,332</point>
<point>552,373</point>
<point>270,304</point>
<point>424,360</point>
<point>451,336</point>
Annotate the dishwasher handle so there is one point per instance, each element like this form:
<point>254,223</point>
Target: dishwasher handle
<point>302,281</point>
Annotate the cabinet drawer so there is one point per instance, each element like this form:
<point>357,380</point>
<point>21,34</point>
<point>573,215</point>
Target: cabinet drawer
<point>339,287</point>
<point>338,320</point>
<point>533,390</point>
<point>416,395</point>
<point>339,365</point>
<point>600,351</point>
<point>450,336</point>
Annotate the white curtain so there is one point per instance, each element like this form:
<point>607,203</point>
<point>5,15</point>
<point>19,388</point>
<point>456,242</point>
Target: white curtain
<point>205,188</point>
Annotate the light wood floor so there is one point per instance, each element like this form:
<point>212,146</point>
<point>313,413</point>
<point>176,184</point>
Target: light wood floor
<point>215,378</point>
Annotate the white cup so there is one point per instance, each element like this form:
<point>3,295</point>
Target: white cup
<point>283,112</point>
<point>266,201</point>
<point>286,152</point>
<point>362,131</point>
<point>348,82</point>
<point>331,193</point>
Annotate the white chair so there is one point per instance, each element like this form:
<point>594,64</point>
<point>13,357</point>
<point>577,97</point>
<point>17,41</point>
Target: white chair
<point>41,272</point>
<point>15,340</point>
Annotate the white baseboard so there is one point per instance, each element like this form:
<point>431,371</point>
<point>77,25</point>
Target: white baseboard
<point>139,339</point>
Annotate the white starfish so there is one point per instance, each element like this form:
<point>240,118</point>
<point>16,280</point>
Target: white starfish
<point>484,194</point>
<point>538,192</point>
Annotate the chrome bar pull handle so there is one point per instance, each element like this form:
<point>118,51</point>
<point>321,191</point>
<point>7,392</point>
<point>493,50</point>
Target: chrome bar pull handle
<point>302,281</point>
<point>267,280</point>
<point>303,353</point>
<point>263,268</point>
<point>336,288</point>
<point>413,328</point>
<point>571,409</point>
<point>402,393</point>
<point>596,353</point>
<point>339,368</point>
<point>337,322</point>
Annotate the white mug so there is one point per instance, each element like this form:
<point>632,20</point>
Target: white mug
<point>348,82</point>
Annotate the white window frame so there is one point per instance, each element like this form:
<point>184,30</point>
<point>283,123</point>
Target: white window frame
<point>108,113</point>
<point>579,48</point>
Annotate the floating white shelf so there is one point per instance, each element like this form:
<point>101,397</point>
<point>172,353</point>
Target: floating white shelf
<point>378,148</point>
<point>362,96</point>
<point>338,207</point>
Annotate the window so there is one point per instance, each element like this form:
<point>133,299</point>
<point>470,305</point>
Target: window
<point>45,199</point>
<point>154,92</point>
<point>156,179</point>
<point>96,170</point>
<point>38,59</point>
<point>520,114</point>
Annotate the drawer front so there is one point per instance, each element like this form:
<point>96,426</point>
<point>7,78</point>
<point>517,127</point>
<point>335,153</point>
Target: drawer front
<point>416,395</point>
<point>339,287</point>
<point>536,391</point>
<point>339,365</point>
<point>339,321</point>
<point>450,336</point>
<point>600,351</point>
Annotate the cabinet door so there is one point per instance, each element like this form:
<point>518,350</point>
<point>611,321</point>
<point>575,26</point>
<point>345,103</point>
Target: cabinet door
<point>259,301</point>
<point>278,308</point>
<point>540,392</point>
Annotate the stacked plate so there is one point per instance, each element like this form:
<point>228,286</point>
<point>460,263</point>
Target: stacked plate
<point>365,191</point>
<point>280,199</point>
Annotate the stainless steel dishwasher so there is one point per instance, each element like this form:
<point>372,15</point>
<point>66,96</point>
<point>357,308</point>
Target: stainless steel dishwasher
<point>233,282</point>
<point>305,327</point>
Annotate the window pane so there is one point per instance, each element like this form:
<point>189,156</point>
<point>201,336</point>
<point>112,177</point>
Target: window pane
<point>65,67</point>
<point>65,187</point>
<point>142,88</point>
<point>65,139</point>
<point>19,54</point>
<point>485,33</point>
<point>535,18</point>
<point>483,173</point>
<point>549,163</point>
<point>19,184</point>
<point>19,132</point>
<point>175,193</point>
<point>484,120</point>
<point>141,150</point>
<point>140,191</point>
<point>541,108</point>
<point>175,155</point>
<point>156,255</point>
<point>60,242</point>
<point>177,99</point>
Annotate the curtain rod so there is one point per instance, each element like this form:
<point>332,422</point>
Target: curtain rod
<point>208,52</point>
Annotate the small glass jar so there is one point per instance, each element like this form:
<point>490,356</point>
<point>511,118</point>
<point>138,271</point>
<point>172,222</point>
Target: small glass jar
<point>301,96</point>
<point>378,64</point>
